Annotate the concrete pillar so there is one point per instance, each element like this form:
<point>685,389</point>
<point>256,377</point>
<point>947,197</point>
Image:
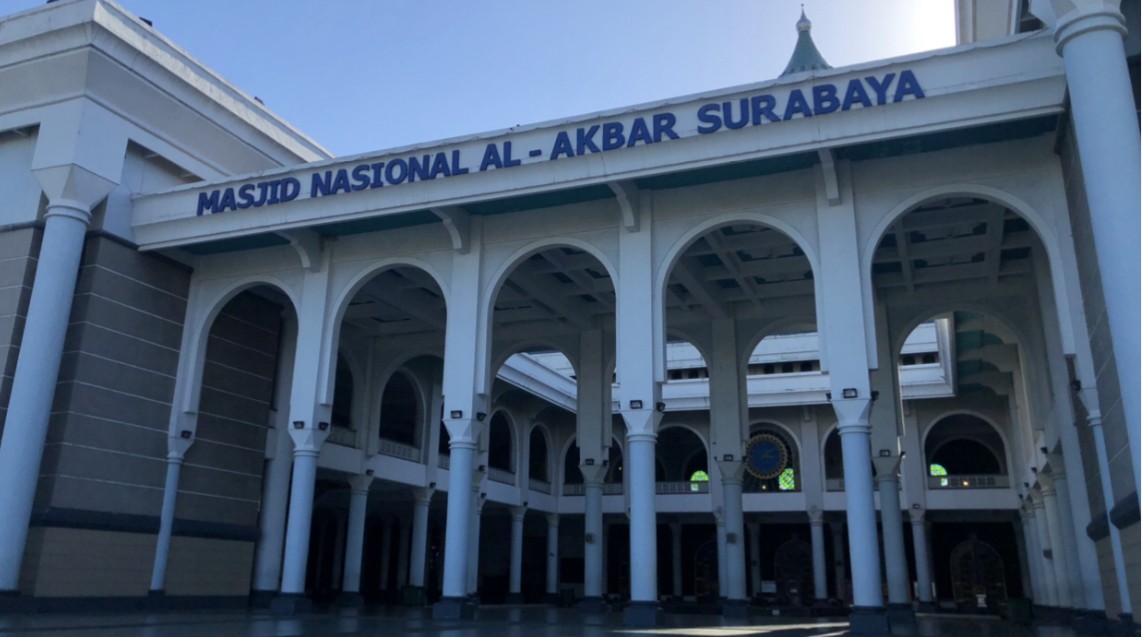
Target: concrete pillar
<point>1037,593</point>
<point>515,573</point>
<point>676,557</point>
<point>1049,582</point>
<point>475,522</point>
<point>923,565</point>
<point>307,445</point>
<point>404,546</point>
<point>386,551</point>
<point>643,528</point>
<point>1088,35</point>
<point>422,499</point>
<point>37,368</point>
<point>275,480</point>
<point>892,526</point>
<point>755,556</point>
<point>553,558</point>
<point>355,539</point>
<point>840,582</point>
<point>177,448</point>
<point>817,537</point>
<point>340,523</point>
<point>737,604</point>
<point>720,535</point>
<point>1059,547</point>
<point>593,475</point>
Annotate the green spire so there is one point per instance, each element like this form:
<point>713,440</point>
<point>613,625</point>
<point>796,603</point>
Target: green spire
<point>805,57</point>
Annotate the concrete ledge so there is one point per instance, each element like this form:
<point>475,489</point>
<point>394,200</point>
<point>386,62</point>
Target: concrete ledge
<point>641,615</point>
<point>514,598</point>
<point>868,621</point>
<point>262,599</point>
<point>1090,622</point>
<point>454,608</point>
<point>928,607</point>
<point>291,604</point>
<point>593,606</point>
<point>349,600</point>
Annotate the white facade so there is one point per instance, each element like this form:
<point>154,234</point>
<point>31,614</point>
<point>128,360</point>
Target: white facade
<point>814,289</point>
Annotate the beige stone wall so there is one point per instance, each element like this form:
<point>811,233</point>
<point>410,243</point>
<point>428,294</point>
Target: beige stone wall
<point>61,562</point>
<point>203,566</point>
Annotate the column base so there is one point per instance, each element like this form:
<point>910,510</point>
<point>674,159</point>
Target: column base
<point>514,598</point>
<point>640,615</point>
<point>901,615</point>
<point>262,599</point>
<point>593,606</point>
<point>865,620</point>
<point>454,608</point>
<point>1051,615</point>
<point>349,600</point>
<point>1090,622</point>
<point>1124,627</point>
<point>552,599</point>
<point>156,600</point>
<point>291,604</point>
<point>735,609</point>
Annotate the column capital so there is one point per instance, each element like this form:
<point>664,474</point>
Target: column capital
<point>593,474</point>
<point>887,468</point>
<point>1073,18</point>
<point>816,516</point>
<point>518,512</point>
<point>359,483</point>
<point>732,471</point>
<point>463,433</point>
<point>422,496</point>
<point>552,520</point>
<point>72,189</point>
<point>177,447</point>
<point>307,440</point>
<point>916,515</point>
<point>719,516</point>
<point>852,414</point>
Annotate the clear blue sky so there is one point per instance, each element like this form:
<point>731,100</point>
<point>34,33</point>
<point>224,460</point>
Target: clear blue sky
<point>363,75</point>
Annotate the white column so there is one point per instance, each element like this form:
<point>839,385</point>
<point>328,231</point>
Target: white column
<point>272,516</point>
<point>839,558</point>
<point>735,542</point>
<point>37,369</point>
<point>1046,564</point>
<point>339,527</point>
<point>892,525</point>
<point>177,447</point>
<point>720,534</point>
<point>458,523</point>
<point>475,521</point>
<point>515,572</point>
<point>676,556</point>
<point>593,475</point>
<point>643,528</point>
<point>1089,35</point>
<point>920,555</point>
<point>386,551</point>
<point>864,549</point>
<point>355,533</point>
<point>1059,548</point>
<point>422,498</point>
<point>552,557</point>
<point>755,556</point>
<point>307,446</point>
<point>1038,590</point>
<point>817,536</point>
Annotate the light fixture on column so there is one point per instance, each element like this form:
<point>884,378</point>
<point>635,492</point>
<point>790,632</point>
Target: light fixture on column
<point>369,472</point>
<point>185,434</point>
<point>660,406</point>
<point>1076,385</point>
<point>482,468</point>
<point>483,496</point>
<point>885,453</point>
<point>917,506</point>
<point>849,392</point>
<point>729,457</point>
<point>299,424</point>
<point>431,485</point>
<point>589,462</point>
<point>875,395</point>
<point>481,416</point>
<point>1044,450</point>
<point>456,414</point>
<point>324,426</point>
<point>636,404</point>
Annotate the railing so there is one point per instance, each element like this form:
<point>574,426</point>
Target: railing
<point>681,487</point>
<point>399,450</point>
<point>444,461</point>
<point>969,482</point>
<point>501,476</point>
<point>343,437</point>
<point>610,488</point>
<point>539,485</point>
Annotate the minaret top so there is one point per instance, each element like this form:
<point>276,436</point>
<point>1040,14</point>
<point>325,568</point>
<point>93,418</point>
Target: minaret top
<point>805,56</point>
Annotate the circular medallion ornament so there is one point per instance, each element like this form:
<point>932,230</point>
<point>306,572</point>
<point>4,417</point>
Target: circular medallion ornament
<point>766,456</point>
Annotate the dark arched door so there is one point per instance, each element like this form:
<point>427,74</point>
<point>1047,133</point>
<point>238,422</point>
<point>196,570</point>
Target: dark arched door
<point>978,581</point>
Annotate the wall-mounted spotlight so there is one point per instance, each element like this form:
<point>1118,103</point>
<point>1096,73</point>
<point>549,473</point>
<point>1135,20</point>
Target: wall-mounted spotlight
<point>916,506</point>
<point>456,414</point>
<point>590,462</point>
<point>636,404</point>
<point>369,472</point>
<point>299,424</point>
<point>185,434</point>
<point>729,457</point>
<point>324,426</point>
<point>482,468</point>
<point>481,416</point>
<point>1034,469</point>
<point>1044,450</point>
<point>828,395</point>
<point>483,496</point>
<point>849,392</point>
<point>875,395</point>
<point>1076,385</point>
<point>660,406</point>
<point>885,453</point>
<point>525,502</point>
<point>431,485</point>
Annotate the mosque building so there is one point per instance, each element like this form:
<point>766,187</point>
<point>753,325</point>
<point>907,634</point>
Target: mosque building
<point>856,340</point>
